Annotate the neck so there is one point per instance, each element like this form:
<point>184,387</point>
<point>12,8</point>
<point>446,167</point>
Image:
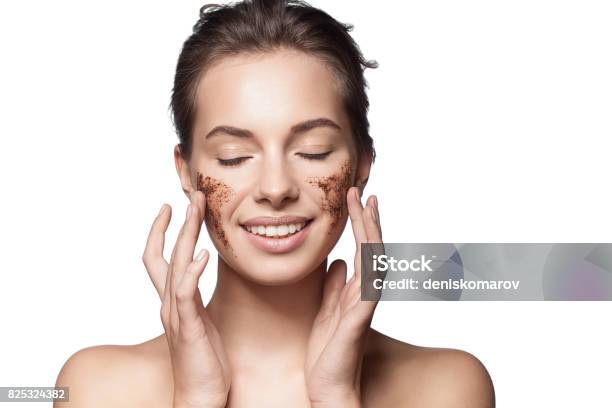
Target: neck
<point>254,318</point>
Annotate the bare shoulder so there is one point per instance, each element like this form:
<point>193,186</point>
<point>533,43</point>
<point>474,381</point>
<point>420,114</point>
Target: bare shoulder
<point>399,374</point>
<point>117,376</point>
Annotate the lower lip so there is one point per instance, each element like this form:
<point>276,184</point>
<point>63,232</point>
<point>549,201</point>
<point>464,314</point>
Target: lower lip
<point>279,245</point>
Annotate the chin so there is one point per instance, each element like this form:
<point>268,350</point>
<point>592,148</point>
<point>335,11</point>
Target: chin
<point>276,275</point>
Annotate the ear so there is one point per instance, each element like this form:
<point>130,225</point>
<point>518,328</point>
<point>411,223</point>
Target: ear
<point>183,171</point>
<point>364,164</point>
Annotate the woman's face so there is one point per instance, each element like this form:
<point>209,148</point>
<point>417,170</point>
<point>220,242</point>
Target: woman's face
<point>270,140</point>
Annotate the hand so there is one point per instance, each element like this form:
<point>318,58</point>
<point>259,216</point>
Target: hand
<point>337,340</point>
<point>200,367</point>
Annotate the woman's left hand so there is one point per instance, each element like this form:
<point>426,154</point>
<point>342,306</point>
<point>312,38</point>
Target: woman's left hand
<point>337,340</point>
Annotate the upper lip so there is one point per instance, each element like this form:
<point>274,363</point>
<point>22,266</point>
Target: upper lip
<point>285,219</point>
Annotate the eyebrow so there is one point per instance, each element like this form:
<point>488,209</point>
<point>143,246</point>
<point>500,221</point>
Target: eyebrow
<point>295,129</point>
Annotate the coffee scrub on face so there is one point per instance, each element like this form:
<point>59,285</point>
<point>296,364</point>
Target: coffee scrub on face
<point>335,188</point>
<point>217,193</point>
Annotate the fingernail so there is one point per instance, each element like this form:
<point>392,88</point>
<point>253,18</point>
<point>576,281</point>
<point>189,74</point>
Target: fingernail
<point>357,193</point>
<point>373,212</point>
<point>376,201</point>
<point>188,211</point>
<point>200,255</point>
<point>162,209</point>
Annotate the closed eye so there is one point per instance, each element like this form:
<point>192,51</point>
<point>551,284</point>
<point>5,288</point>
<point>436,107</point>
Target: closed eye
<point>232,162</point>
<point>314,156</point>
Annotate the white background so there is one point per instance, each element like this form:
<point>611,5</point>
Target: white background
<point>492,123</point>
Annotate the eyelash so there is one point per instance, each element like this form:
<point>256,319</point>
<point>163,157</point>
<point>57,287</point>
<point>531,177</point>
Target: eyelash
<point>308,156</point>
<point>314,156</point>
<point>232,162</point>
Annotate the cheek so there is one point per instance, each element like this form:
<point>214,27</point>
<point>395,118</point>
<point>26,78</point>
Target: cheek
<point>217,194</point>
<point>334,189</point>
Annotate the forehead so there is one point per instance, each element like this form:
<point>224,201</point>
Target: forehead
<point>267,92</point>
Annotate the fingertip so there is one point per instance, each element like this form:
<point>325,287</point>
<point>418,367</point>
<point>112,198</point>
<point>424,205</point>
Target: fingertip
<point>338,263</point>
<point>371,200</point>
<point>203,254</point>
<point>199,200</point>
<point>163,218</point>
<point>165,210</point>
<point>357,198</point>
<point>338,267</point>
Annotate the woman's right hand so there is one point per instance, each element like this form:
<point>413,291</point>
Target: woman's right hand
<point>200,367</point>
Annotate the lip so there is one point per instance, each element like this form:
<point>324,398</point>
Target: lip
<point>285,219</point>
<point>279,245</point>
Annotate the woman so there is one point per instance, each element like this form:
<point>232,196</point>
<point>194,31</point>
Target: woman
<point>270,108</point>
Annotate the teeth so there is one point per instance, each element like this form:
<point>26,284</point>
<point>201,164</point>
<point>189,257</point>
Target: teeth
<point>270,231</point>
<point>275,230</point>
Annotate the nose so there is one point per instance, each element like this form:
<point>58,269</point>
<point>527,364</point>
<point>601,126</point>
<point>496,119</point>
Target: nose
<point>275,183</point>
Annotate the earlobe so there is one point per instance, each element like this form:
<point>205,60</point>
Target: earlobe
<point>183,171</point>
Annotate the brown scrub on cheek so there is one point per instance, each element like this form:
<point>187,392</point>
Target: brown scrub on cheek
<point>217,193</point>
<point>335,188</point>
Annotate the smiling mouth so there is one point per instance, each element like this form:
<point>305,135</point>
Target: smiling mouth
<point>276,231</point>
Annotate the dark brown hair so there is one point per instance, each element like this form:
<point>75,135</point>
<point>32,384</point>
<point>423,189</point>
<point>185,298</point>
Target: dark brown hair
<point>259,26</point>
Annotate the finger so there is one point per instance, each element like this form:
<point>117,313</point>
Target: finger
<point>370,201</point>
<point>360,312</point>
<point>335,280</point>
<point>187,302</point>
<point>364,312</point>
<point>180,259</point>
<point>187,239</point>
<point>373,202</point>
<point>200,201</point>
<point>356,214</point>
<point>378,216</point>
<point>153,256</point>
<point>371,224</point>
